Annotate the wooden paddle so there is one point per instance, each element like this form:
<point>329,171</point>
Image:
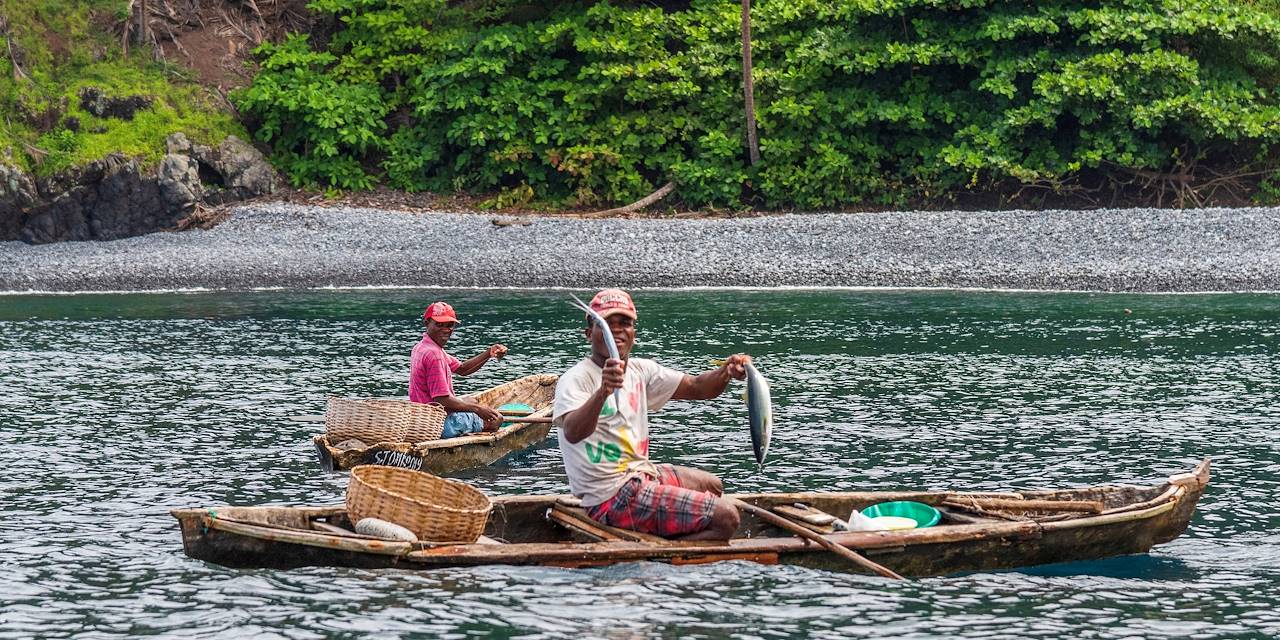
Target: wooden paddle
<point>783,523</point>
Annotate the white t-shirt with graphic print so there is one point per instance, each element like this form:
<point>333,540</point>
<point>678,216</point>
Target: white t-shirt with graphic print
<point>619,447</point>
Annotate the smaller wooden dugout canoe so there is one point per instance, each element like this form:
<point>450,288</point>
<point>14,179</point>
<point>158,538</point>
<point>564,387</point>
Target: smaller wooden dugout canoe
<point>442,457</point>
<point>979,532</point>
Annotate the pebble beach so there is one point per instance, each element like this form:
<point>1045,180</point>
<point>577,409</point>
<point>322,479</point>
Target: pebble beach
<point>297,246</point>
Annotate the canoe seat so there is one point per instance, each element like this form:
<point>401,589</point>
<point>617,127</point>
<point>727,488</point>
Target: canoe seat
<point>807,517</point>
<point>576,519</point>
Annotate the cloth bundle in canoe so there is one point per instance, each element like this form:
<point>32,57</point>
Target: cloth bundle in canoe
<point>372,420</point>
<point>433,508</point>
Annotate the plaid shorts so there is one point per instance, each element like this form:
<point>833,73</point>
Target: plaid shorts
<point>661,507</point>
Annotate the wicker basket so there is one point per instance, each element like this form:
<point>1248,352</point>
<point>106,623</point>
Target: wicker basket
<point>433,508</point>
<point>383,420</point>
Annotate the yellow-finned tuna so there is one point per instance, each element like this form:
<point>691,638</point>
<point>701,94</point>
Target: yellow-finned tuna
<point>759,412</point>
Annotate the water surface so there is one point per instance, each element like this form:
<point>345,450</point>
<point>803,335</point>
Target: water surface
<point>116,408</point>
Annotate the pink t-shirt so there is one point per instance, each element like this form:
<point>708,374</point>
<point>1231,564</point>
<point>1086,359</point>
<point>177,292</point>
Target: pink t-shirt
<point>430,371</point>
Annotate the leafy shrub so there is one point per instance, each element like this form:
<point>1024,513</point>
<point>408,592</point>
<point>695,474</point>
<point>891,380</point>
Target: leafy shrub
<point>879,101</point>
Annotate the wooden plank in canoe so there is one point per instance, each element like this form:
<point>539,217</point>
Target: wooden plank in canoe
<point>591,531</point>
<point>806,516</point>
<point>576,518</point>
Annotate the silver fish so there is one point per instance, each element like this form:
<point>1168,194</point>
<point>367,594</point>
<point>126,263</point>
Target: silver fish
<point>759,412</point>
<point>608,342</point>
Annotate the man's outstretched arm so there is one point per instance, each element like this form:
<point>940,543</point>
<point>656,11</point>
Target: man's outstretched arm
<point>712,383</point>
<point>473,365</point>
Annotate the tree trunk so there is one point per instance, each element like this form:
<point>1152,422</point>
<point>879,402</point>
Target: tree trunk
<point>141,34</point>
<point>748,85</point>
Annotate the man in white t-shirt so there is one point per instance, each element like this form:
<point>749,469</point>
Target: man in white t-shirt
<point>606,446</point>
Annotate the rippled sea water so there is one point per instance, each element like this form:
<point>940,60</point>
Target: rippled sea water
<point>115,409</point>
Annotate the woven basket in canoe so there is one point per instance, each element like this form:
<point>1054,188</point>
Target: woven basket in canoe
<point>433,508</point>
<point>383,420</point>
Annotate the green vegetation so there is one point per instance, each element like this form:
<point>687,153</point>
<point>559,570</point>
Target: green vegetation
<point>63,46</point>
<point>859,101</point>
<point>879,102</point>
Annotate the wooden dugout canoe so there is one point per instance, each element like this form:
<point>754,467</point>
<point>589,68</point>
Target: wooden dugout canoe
<point>979,532</point>
<point>442,457</point>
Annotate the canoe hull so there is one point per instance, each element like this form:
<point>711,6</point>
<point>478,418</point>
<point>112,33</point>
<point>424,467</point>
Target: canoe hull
<point>1137,518</point>
<point>443,457</point>
<point>1028,547</point>
<point>437,460</point>
<point>238,550</point>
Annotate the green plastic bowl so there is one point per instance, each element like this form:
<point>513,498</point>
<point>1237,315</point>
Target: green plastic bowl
<point>923,514</point>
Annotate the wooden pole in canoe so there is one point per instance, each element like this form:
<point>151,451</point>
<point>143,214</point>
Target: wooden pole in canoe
<point>783,523</point>
<point>517,412</point>
<point>1083,506</point>
<point>533,419</point>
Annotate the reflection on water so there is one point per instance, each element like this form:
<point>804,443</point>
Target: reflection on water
<point>116,408</point>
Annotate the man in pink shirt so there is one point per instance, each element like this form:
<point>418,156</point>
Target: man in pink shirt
<point>431,372</point>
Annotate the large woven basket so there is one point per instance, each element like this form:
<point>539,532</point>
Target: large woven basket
<point>433,508</point>
<point>383,420</point>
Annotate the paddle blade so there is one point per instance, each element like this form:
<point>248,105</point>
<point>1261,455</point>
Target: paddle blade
<point>759,413</point>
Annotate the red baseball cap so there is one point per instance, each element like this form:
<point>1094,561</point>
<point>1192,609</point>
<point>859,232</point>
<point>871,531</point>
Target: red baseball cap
<point>440,312</point>
<point>611,301</point>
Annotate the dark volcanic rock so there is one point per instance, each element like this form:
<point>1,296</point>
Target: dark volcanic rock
<point>236,169</point>
<point>179,181</point>
<point>94,101</point>
<point>17,192</point>
<point>111,200</point>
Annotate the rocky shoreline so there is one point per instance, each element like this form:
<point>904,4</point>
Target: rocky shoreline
<point>295,246</point>
<point>115,197</point>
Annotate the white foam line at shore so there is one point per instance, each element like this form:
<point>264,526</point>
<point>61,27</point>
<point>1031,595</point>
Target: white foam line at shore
<point>93,292</point>
<point>199,290</point>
